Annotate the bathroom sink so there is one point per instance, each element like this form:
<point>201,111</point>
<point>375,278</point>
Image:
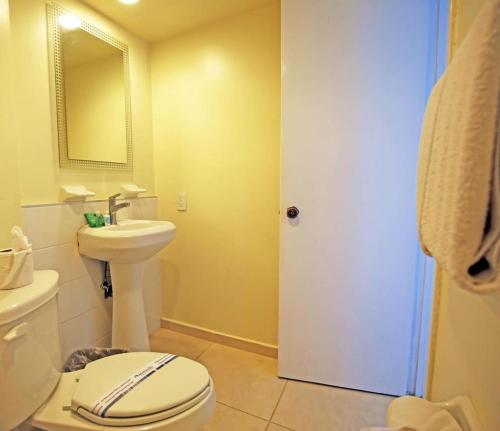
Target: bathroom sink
<point>126,246</point>
<point>130,241</point>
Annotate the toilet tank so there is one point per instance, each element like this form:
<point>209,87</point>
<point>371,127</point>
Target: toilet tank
<point>30,356</point>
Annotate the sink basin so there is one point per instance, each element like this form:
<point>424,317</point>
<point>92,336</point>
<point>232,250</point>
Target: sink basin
<point>126,247</point>
<point>130,241</point>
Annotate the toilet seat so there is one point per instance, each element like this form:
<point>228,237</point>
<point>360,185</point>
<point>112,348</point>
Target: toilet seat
<point>147,419</point>
<point>177,386</point>
<point>179,396</point>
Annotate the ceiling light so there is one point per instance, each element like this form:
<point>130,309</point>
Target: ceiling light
<point>129,1</point>
<point>70,21</point>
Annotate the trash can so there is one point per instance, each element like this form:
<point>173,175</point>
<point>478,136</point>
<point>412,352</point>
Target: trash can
<point>80,358</point>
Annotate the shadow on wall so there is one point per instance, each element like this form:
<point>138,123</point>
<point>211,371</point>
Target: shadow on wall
<point>171,284</point>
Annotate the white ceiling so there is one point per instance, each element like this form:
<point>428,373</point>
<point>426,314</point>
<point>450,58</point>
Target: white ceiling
<point>157,20</point>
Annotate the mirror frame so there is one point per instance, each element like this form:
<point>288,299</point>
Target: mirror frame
<point>54,11</point>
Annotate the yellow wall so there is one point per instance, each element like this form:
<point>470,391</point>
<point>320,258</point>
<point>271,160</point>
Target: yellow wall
<point>95,110</point>
<point>9,198</point>
<point>216,125</point>
<point>39,174</point>
<point>467,344</point>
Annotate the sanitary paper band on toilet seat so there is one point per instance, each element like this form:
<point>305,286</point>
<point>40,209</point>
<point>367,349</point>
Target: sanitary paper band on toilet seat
<point>103,404</point>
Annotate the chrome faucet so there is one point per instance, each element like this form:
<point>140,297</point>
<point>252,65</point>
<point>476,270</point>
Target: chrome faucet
<point>114,207</point>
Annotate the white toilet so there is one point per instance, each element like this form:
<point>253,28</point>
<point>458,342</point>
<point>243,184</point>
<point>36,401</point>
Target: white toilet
<point>132,391</point>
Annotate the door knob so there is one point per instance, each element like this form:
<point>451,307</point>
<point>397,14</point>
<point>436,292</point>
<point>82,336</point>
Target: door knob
<point>292,212</point>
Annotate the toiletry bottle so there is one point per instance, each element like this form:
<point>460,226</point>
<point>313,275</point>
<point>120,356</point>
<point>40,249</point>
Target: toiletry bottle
<point>107,218</point>
<point>100,220</point>
<point>91,219</point>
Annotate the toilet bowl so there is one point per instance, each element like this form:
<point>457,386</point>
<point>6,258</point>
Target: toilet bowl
<point>130,391</point>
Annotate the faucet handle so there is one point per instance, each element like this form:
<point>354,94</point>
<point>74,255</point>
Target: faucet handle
<point>114,196</point>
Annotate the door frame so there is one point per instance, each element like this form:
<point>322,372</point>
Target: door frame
<point>425,266</point>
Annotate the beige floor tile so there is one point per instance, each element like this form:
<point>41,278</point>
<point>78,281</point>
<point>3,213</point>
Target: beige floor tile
<point>164,340</point>
<point>274,427</point>
<point>244,380</point>
<point>228,419</point>
<point>309,407</point>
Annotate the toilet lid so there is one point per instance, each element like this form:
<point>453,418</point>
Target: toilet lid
<point>137,388</point>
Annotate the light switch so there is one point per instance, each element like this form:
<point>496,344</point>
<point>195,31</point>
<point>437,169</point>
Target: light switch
<point>181,201</point>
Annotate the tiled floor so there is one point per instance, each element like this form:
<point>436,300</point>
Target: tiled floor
<point>250,396</point>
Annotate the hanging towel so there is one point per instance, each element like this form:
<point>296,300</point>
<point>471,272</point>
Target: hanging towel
<point>458,196</point>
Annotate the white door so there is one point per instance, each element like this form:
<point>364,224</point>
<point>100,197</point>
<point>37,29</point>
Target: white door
<point>356,75</point>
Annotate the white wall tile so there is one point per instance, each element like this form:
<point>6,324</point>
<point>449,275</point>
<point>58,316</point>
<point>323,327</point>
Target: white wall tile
<point>95,270</point>
<point>74,299</point>
<point>147,209</point>
<point>78,296</point>
<point>104,341</point>
<point>152,269</point>
<point>85,330</point>
<point>51,225</point>
<point>140,209</point>
<point>152,304</point>
<point>65,259</point>
<point>74,335</point>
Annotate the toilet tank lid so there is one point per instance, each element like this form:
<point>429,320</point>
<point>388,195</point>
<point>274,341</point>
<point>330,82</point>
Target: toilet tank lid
<point>16,303</point>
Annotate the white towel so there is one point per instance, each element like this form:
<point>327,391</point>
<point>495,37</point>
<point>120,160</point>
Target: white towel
<point>386,429</point>
<point>458,197</point>
<point>439,421</point>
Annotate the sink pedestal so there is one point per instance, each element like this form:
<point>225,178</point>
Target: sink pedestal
<point>129,319</point>
<point>127,246</point>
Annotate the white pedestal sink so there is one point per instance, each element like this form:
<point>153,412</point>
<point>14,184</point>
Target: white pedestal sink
<point>126,246</point>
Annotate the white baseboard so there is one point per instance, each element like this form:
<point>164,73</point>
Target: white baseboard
<point>221,338</point>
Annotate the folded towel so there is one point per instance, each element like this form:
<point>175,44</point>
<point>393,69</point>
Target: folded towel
<point>458,197</point>
<point>439,421</point>
<point>387,429</point>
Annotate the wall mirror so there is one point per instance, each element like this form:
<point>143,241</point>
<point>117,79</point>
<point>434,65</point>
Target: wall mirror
<point>92,93</point>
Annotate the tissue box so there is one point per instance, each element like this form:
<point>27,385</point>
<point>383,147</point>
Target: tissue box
<point>16,268</point>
